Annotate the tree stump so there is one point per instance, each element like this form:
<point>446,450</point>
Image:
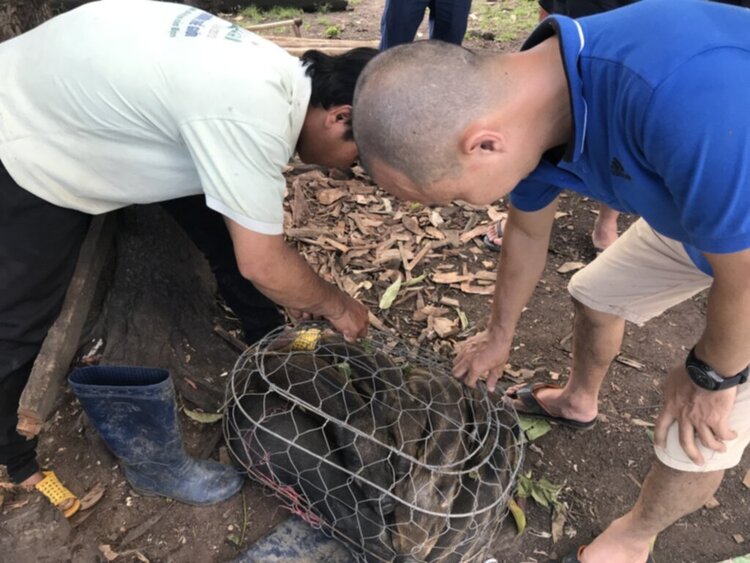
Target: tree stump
<point>161,308</point>
<point>17,16</point>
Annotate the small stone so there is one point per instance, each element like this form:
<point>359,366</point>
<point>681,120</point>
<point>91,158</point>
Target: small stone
<point>738,538</point>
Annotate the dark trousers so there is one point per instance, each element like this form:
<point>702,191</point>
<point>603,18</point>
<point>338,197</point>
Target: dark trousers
<point>401,19</point>
<point>39,246</point>
<point>257,313</point>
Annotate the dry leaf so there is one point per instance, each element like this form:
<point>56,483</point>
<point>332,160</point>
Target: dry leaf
<point>466,287</point>
<point>412,225</point>
<point>93,496</point>
<point>443,326</point>
<point>350,286</point>
<point>473,233</point>
<point>388,256</point>
<point>639,422</point>
<point>746,480</point>
<point>434,233</point>
<point>463,318</point>
<point>108,553</point>
<point>203,417</point>
<point>331,195</point>
<point>428,311</point>
<point>450,277</point>
<point>738,538</point>
<point>630,362</point>
<point>376,322</point>
<point>485,275</point>
<point>570,267</point>
<point>450,301</point>
<point>558,523</point>
<point>436,219</point>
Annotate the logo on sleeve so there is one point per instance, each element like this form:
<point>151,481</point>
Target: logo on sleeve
<point>616,168</point>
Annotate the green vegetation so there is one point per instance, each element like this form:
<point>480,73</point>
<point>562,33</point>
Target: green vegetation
<point>333,32</point>
<point>504,20</point>
<point>253,14</point>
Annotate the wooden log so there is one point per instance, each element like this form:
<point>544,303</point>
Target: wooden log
<point>51,366</point>
<point>298,51</point>
<point>312,42</point>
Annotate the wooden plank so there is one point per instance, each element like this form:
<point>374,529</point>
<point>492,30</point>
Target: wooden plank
<point>296,46</point>
<point>270,25</point>
<point>53,362</point>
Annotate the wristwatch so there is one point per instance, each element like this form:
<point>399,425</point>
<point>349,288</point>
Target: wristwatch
<point>705,377</point>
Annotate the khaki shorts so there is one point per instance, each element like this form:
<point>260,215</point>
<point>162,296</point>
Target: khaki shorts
<point>637,278</point>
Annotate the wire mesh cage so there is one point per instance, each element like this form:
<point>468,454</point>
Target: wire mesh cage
<point>374,442</point>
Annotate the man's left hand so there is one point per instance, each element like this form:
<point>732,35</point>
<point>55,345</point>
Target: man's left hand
<point>697,412</point>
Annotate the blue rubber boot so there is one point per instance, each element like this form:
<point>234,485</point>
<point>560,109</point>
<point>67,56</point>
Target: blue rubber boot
<point>135,412</point>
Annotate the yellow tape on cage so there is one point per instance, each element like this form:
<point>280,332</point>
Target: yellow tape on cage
<point>307,339</point>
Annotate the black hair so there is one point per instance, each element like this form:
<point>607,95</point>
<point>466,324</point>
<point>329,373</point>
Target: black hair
<point>335,76</point>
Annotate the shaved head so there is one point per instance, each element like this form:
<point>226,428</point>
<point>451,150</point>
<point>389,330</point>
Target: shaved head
<point>413,102</point>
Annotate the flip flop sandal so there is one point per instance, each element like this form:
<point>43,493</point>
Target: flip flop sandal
<point>575,556</point>
<point>498,233</point>
<point>58,494</point>
<point>534,408</point>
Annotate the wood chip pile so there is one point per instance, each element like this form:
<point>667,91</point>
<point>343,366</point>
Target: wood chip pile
<point>410,264</point>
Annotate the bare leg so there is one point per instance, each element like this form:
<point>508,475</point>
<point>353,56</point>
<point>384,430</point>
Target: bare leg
<point>605,227</point>
<point>29,483</point>
<point>666,496</point>
<point>596,341</point>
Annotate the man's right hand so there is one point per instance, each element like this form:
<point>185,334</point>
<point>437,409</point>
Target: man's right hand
<point>350,317</point>
<point>282,274</point>
<point>483,356</point>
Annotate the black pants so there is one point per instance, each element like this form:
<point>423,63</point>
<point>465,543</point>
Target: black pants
<point>39,246</point>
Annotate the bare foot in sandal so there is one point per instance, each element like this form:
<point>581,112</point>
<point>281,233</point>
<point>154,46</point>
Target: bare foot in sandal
<point>56,493</point>
<point>551,402</point>
<point>493,240</point>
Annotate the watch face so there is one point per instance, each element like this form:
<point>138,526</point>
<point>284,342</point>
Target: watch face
<point>701,378</point>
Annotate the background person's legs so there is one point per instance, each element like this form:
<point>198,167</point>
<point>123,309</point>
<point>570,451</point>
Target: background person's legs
<point>39,245</point>
<point>448,20</point>
<point>400,21</point>
<point>258,314</point>
<point>605,227</point>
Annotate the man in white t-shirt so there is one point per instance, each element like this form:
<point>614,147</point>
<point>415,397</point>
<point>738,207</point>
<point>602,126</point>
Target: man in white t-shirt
<point>125,102</point>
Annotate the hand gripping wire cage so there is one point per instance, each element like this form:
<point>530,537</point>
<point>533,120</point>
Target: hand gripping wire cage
<point>374,442</point>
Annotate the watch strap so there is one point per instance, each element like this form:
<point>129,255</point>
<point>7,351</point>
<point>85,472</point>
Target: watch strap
<point>717,382</point>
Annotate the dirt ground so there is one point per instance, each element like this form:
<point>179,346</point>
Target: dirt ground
<point>600,470</point>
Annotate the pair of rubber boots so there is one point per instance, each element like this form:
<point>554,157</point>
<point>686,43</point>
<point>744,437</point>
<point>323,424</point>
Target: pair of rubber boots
<point>135,412</point>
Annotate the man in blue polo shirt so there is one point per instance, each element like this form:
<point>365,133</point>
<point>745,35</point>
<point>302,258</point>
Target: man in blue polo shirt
<point>644,109</point>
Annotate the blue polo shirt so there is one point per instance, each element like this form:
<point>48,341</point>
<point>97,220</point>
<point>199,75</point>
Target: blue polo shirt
<point>660,99</point>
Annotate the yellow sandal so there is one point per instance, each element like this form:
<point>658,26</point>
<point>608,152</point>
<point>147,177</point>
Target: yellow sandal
<point>58,494</point>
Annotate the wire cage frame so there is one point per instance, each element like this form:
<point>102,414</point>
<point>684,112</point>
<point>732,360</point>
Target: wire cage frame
<point>374,442</point>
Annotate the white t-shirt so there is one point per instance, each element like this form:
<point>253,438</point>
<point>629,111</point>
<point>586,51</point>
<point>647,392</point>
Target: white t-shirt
<point>134,101</point>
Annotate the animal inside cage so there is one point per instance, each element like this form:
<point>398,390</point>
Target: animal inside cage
<point>374,442</point>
